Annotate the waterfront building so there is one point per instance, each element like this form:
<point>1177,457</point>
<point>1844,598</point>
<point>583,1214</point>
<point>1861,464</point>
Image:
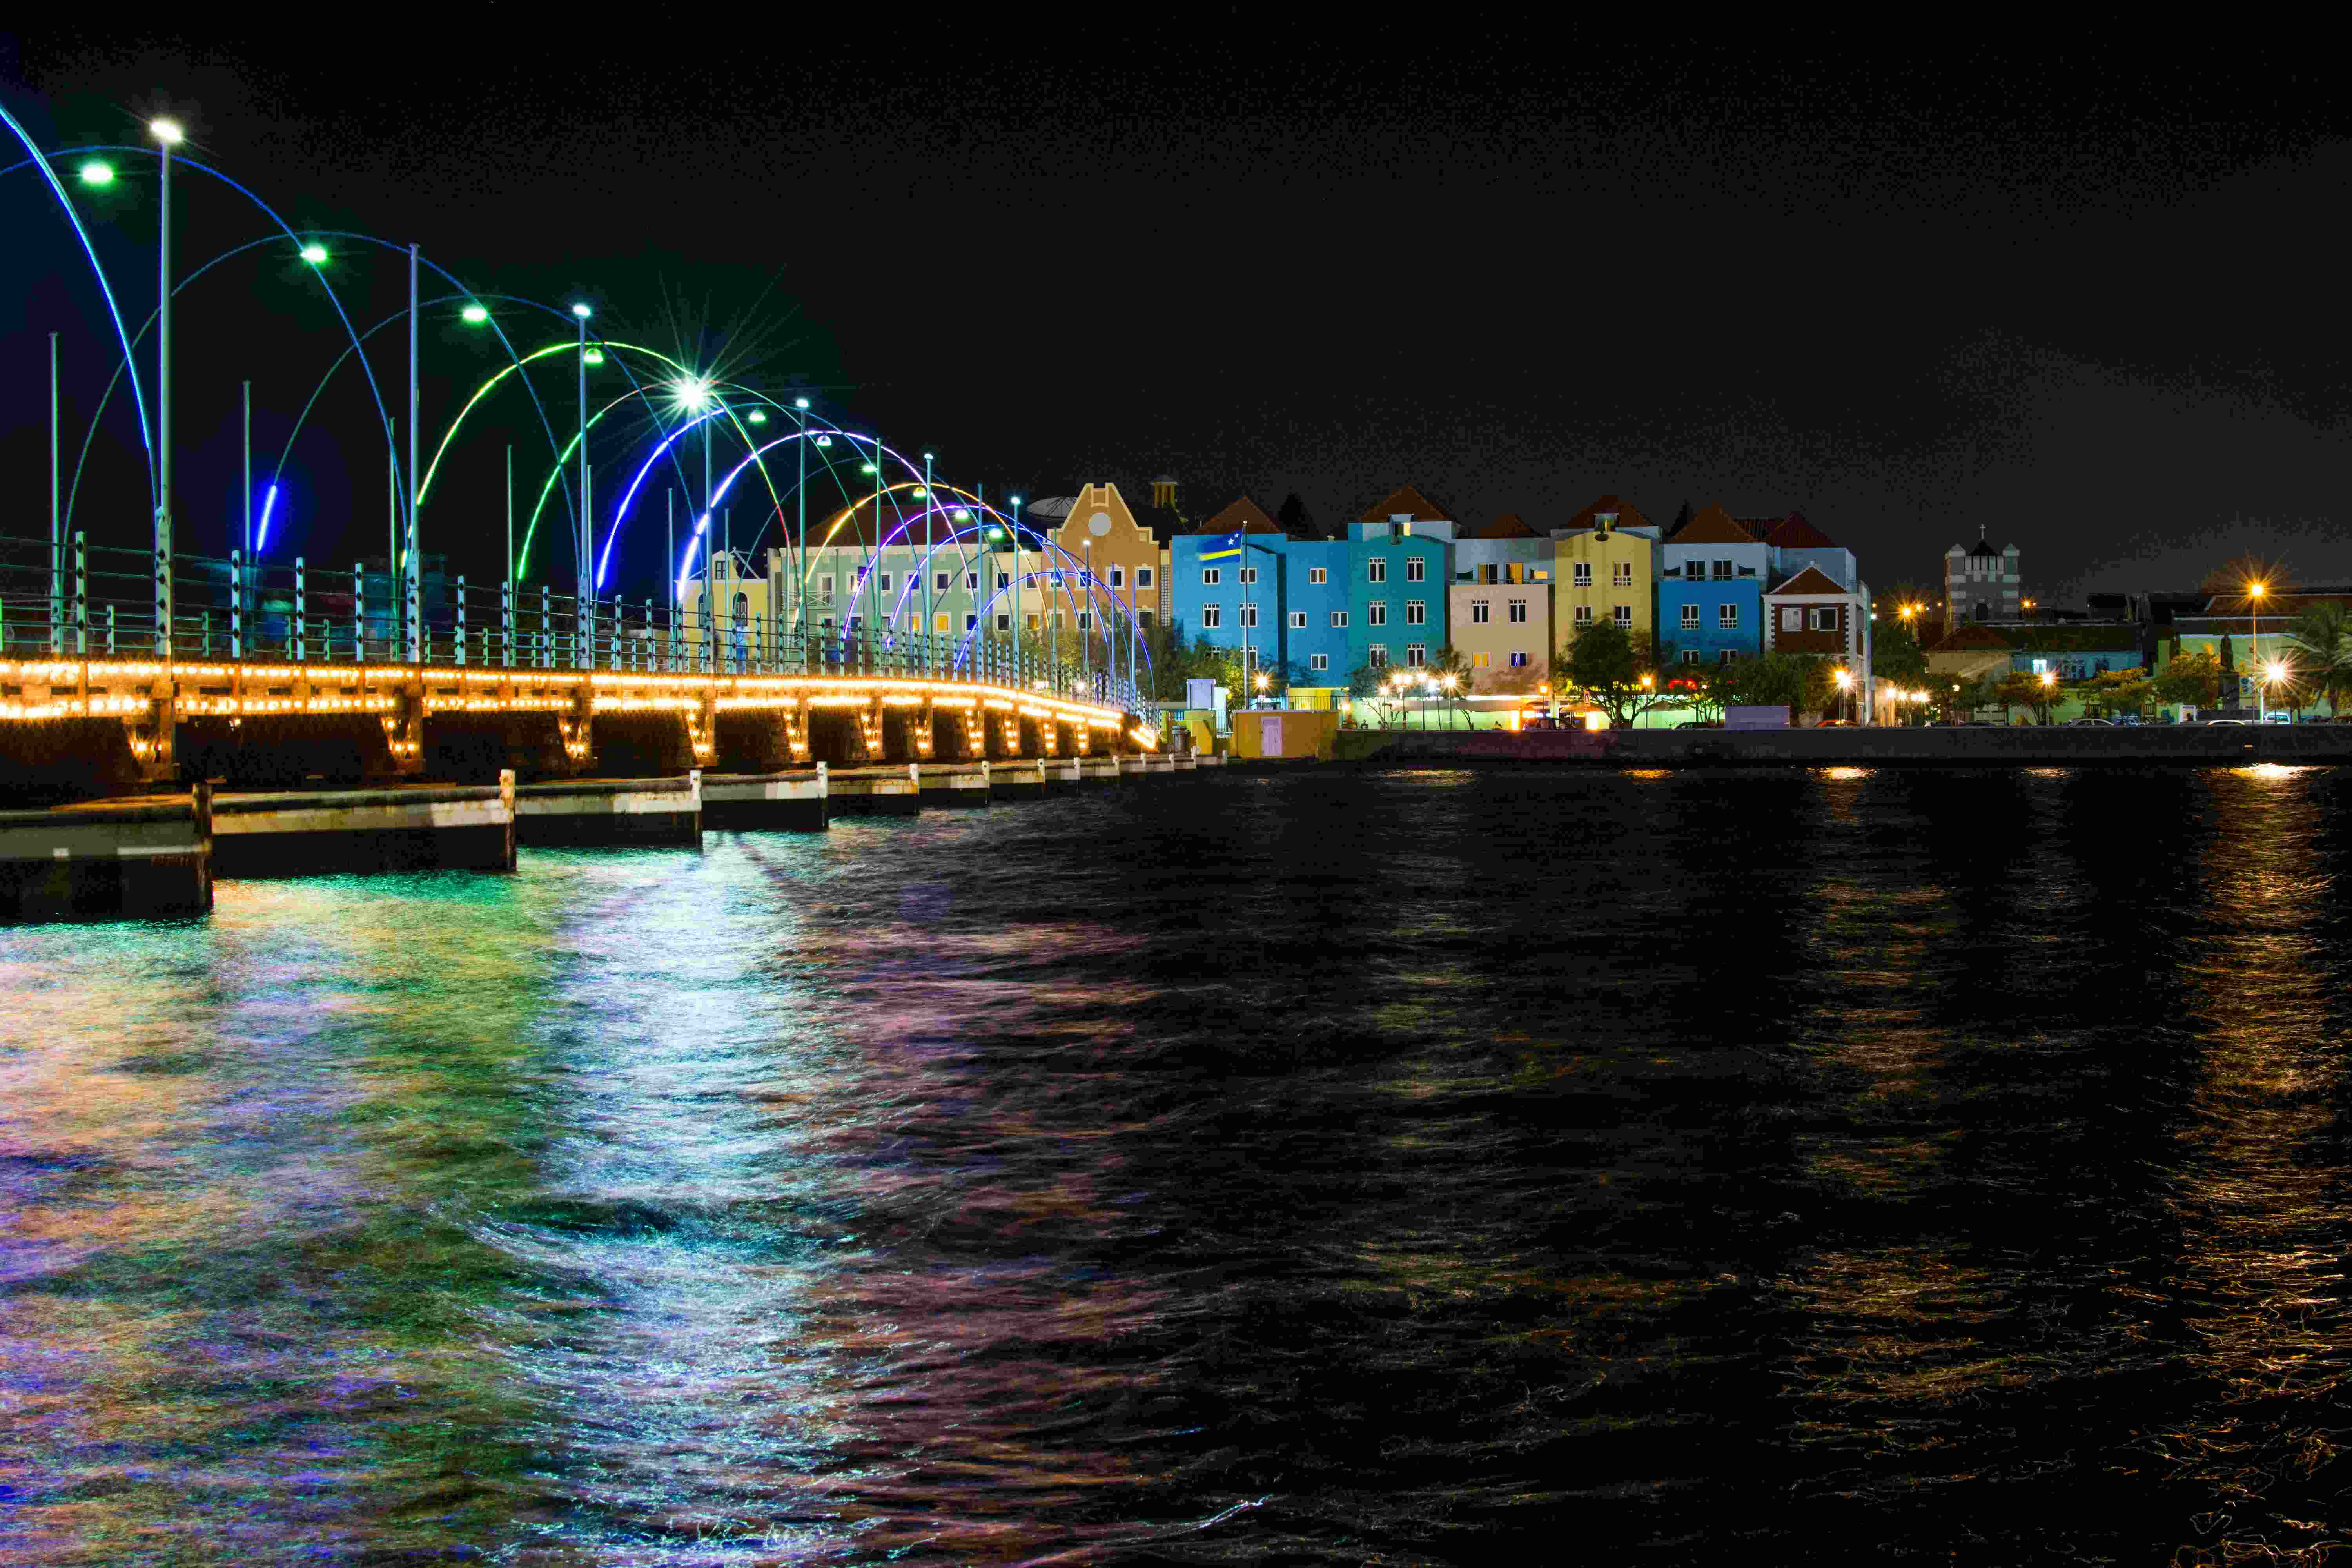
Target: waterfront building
<point>1234,600</point>
<point>1606,565</point>
<point>1401,565</point>
<point>1980,583</point>
<point>1125,555</point>
<point>1503,628</point>
<point>1810,612</point>
<point>1711,589</point>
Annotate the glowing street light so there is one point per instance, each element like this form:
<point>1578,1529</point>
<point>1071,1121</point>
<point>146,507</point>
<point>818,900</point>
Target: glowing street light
<point>316,255</point>
<point>582,312</point>
<point>692,392</point>
<point>97,172</point>
<point>167,132</point>
<point>800,403</point>
<point>758,416</point>
<point>475,315</point>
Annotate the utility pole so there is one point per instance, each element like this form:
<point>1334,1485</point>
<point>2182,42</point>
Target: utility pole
<point>413,580</point>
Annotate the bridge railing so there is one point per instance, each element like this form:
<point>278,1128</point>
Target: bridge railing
<point>99,601</point>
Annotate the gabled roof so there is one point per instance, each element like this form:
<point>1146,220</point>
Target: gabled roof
<point>1405,502</point>
<point>1793,533</point>
<point>1243,515</point>
<point>1711,525</point>
<point>1758,527</point>
<point>1627,516</point>
<point>1506,525</point>
<point>1811,580</point>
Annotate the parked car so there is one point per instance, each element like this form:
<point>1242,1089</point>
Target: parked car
<point>1700,724</point>
<point>1834,725</point>
<point>2092,723</point>
<point>2240,723</point>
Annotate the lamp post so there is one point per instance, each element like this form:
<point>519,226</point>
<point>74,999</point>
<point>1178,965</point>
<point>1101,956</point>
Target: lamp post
<point>584,607</point>
<point>1845,678</point>
<point>2255,645</point>
<point>2049,686</point>
<point>167,135</point>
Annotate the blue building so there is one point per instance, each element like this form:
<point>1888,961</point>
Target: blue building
<point>1711,589</point>
<point>1234,601</point>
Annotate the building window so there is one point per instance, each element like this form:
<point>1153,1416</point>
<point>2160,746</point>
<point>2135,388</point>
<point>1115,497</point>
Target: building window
<point>1518,612</point>
<point>1584,578</point>
<point>1143,576</point>
<point>1316,575</point>
<point>1478,661</point>
<point>1318,661</point>
<point>1583,614</point>
<point>1377,655</point>
<point>1212,576</point>
<point>1690,655</point>
<point>969,623</point>
<point>886,581</point>
<point>1118,577</point>
<point>1620,574</point>
<point>1414,567</point>
<point>1376,614</point>
<point>1825,618</point>
<point>1004,623</point>
<point>1210,616</point>
<point>1792,619</point>
<point>941,623</point>
<point>1297,620</point>
<point>1143,618</point>
<point>1690,618</point>
<point>1624,616</point>
<point>972,582</point>
<point>1727,656</point>
<point>1416,613</point>
<point>1481,612</point>
<point>1085,620</point>
<point>1376,571</point>
<point>1723,571</point>
<point>824,587</point>
<point>1249,574</point>
<point>1415,655</point>
<point>1249,616</point>
<point>1003,580</point>
<point>1727,617</point>
<point>940,581</point>
<point>1518,659</point>
<point>1340,618</point>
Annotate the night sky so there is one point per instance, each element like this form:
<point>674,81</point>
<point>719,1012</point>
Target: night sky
<point>2090,304</point>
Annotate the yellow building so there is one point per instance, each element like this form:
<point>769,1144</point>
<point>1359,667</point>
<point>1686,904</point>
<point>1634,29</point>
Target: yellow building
<point>1605,567</point>
<point>1505,631</point>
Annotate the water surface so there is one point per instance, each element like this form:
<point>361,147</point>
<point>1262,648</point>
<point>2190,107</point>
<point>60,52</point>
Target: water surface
<point>1420,1167</point>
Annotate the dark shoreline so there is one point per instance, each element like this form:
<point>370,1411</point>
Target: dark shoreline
<point>1934,746</point>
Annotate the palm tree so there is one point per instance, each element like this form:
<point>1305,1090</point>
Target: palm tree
<point>2322,637</point>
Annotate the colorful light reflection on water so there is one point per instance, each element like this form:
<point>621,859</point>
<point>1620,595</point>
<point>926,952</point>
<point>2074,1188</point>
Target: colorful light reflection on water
<point>1437,1166</point>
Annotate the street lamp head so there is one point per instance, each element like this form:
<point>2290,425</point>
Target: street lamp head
<point>1845,676</point>
<point>824,440</point>
<point>865,467</point>
<point>800,403</point>
<point>2275,672</point>
<point>475,314</point>
<point>595,356</point>
<point>167,132</point>
<point>582,312</point>
<point>316,255</point>
<point>2254,590</point>
<point>920,493</point>
<point>97,172</point>
<point>1016,501</point>
<point>692,392</point>
<point>758,416</point>
<point>927,457</point>
<point>2049,678</point>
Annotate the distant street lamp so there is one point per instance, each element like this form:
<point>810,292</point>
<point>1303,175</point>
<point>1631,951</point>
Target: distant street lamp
<point>2255,641</point>
<point>167,135</point>
<point>2049,684</point>
<point>1845,678</point>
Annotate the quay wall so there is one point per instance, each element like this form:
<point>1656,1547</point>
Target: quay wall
<point>2196,745</point>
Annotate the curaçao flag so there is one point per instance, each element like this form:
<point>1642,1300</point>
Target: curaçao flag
<point>1219,548</point>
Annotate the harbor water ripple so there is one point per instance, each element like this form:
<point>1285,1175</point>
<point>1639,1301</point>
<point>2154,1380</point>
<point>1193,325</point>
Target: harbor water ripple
<point>1415,1168</point>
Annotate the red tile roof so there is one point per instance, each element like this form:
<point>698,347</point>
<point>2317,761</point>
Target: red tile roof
<point>1506,525</point>
<point>1793,533</point>
<point>1967,637</point>
<point>1711,525</point>
<point>1243,515</point>
<point>1627,516</point>
<point>1404,501</point>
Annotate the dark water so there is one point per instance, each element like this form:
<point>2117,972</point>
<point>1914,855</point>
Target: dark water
<point>1419,1168</point>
